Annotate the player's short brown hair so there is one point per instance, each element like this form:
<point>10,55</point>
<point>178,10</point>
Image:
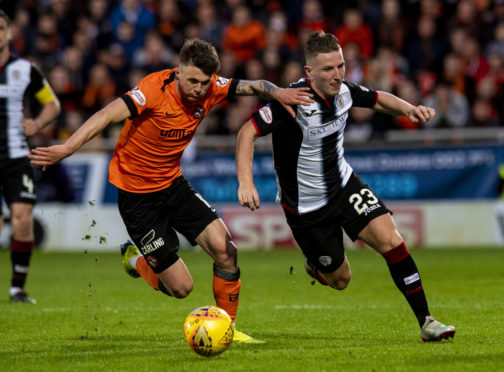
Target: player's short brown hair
<point>320,42</point>
<point>201,54</point>
<point>5,16</point>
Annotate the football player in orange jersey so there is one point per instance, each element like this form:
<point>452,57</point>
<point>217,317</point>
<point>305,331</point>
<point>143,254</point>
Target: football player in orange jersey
<point>161,116</point>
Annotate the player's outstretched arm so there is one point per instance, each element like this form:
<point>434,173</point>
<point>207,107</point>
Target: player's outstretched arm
<point>266,90</point>
<point>393,105</point>
<point>114,112</point>
<point>247,193</point>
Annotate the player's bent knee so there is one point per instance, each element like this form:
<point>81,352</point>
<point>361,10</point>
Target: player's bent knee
<point>182,292</point>
<point>340,282</point>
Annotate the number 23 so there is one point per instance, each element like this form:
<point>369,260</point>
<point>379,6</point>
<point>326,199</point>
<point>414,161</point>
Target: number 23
<point>358,203</point>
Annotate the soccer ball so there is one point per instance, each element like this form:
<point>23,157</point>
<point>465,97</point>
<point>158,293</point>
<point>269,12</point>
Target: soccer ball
<point>208,330</point>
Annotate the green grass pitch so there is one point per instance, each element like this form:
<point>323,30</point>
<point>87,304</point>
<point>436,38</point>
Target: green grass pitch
<point>91,316</point>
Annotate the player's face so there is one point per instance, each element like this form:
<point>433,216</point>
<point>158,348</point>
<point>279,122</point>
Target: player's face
<point>4,34</point>
<point>326,72</point>
<point>192,83</point>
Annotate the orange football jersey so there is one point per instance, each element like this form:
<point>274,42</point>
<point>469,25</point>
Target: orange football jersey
<point>148,151</point>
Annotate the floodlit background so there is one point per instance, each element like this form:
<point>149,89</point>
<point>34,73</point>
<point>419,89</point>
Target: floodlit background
<point>441,180</point>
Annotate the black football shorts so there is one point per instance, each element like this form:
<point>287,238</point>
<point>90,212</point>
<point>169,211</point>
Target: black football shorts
<point>151,220</point>
<point>320,233</point>
<point>17,182</point>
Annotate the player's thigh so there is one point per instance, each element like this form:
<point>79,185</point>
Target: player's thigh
<point>381,234</point>
<point>148,224</point>
<point>321,242</point>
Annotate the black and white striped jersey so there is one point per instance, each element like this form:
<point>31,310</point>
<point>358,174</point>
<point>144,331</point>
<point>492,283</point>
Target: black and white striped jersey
<point>308,150</point>
<point>19,80</point>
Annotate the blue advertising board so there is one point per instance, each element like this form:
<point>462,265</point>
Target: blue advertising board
<point>460,172</point>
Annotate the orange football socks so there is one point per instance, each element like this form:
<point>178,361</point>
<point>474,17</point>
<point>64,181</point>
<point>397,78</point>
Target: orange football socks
<point>146,272</point>
<point>226,289</point>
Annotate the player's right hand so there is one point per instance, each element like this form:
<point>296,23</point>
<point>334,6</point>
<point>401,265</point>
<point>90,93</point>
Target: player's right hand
<point>248,197</point>
<point>46,156</point>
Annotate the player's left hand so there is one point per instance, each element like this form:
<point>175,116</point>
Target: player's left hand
<point>293,96</point>
<point>30,126</point>
<point>421,113</point>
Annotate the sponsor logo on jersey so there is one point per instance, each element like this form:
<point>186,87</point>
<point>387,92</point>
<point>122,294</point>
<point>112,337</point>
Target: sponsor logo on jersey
<point>152,246</point>
<point>327,128</point>
<point>174,134</point>
<point>16,74</point>
<point>325,260</point>
<point>411,279</point>
<point>364,88</point>
<point>168,115</point>
<point>222,81</point>
<point>199,111</point>
<point>266,114</point>
<point>138,96</point>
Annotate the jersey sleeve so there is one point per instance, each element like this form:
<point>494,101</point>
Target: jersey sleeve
<point>142,97</point>
<point>362,96</point>
<point>39,87</point>
<point>269,118</point>
<point>223,89</point>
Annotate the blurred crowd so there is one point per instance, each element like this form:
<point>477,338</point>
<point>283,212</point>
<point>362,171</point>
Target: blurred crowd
<point>444,54</point>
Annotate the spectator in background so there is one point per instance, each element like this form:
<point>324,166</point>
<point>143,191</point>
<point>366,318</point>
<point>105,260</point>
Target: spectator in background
<point>47,41</point>
<point>312,17</point>
<point>485,109</point>
<point>23,37</point>
<point>130,22</point>
<point>496,46</point>
<point>426,50</point>
<point>100,90</point>
<point>355,30</point>
<point>64,16</point>
<point>171,20</point>
<point>353,63</point>
<point>391,29</point>
<point>63,88</point>
<point>452,108</point>
<point>244,36</point>
<point>154,55</point>
<point>453,73</point>
<point>211,29</point>
<point>475,66</point>
<point>97,13</point>
<point>292,71</point>
<point>72,62</point>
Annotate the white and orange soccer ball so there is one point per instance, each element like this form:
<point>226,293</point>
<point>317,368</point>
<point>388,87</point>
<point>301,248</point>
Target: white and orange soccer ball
<point>208,330</point>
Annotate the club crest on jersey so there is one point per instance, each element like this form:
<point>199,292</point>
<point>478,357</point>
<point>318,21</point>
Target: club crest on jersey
<point>138,96</point>
<point>198,112</point>
<point>340,101</point>
<point>266,114</point>
<point>16,74</point>
<point>325,260</point>
<point>221,81</point>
